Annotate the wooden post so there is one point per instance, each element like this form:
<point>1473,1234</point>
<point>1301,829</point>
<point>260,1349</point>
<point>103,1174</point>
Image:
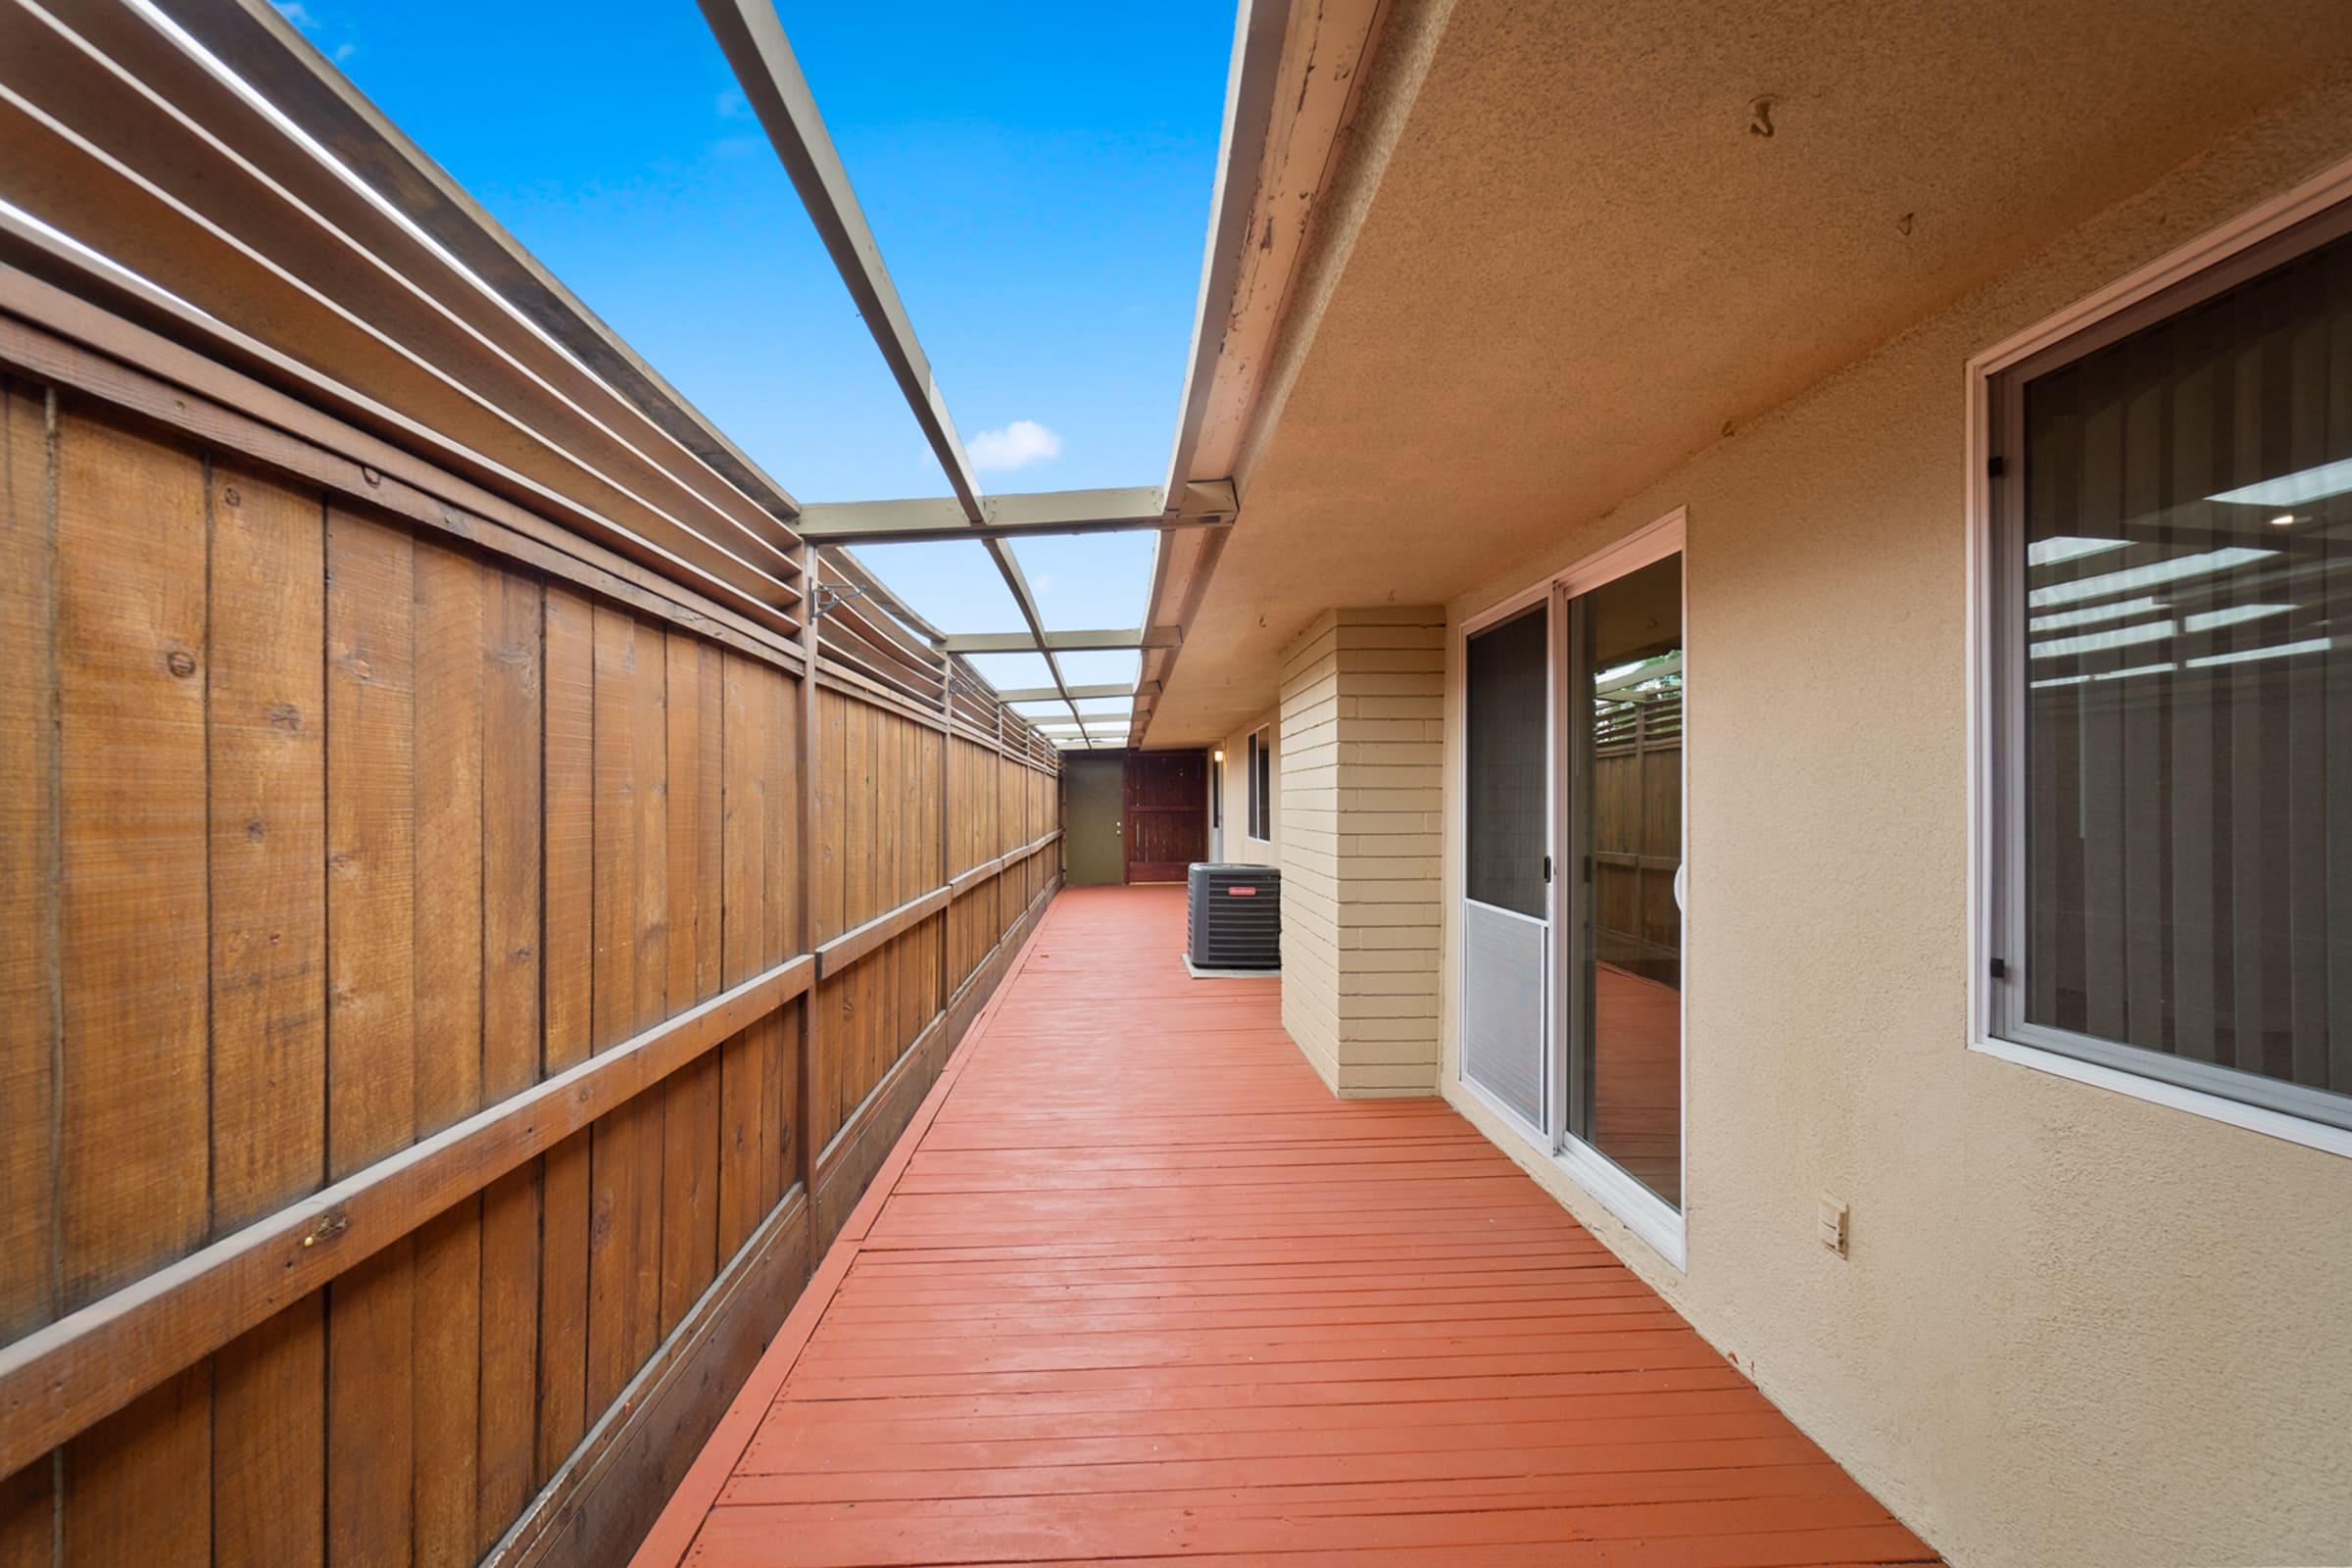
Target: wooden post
<point>946,812</point>
<point>805,936</point>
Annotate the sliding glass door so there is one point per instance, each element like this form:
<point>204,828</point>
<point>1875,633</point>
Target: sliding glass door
<point>1571,842</point>
<point>1621,938</point>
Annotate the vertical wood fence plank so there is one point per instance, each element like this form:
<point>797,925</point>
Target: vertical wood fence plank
<point>743,1133</point>
<point>28,1517</point>
<point>29,849</point>
<point>568,653</point>
<point>131,649</point>
<point>268,771</point>
<point>448,1373</point>
<point>451,632</point>
<point>268,767</point>
<point>370,842</point>
<point>270,1443</point>
<point>857,815</point>
<point>710,873</point>
<point>649,791</point>
<point>507,1433</point>
<point>131,1097</point>
<point>453,629</point>
<point>683,714</point>
<point>371,1111</point>
<point>513,747</point>
<point>782,889</point>
<point>689,1221</point>
<point>371,1433</point>
<point>138,1484</point>
<point>828,759</point>
<point>611,1230</point>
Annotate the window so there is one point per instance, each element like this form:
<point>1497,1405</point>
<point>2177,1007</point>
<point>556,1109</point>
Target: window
<point>1261,787</point>
<point>2169,608</point>
<point>1216,790</point>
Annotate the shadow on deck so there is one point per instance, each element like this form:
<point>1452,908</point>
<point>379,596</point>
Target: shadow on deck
<point>1135,1286</point>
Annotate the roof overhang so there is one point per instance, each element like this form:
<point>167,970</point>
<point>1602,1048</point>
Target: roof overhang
<point>1565,248</point>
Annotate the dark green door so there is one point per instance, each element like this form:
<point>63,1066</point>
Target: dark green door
<point>1094,834</point>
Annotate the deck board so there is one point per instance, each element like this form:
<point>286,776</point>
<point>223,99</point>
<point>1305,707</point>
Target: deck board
<point>1136,1288</point>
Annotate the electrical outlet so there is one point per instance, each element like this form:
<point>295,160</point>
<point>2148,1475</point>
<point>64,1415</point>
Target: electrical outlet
<point>1830,1224</point>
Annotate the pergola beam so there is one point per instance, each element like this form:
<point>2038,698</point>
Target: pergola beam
<point>1047,694</point>
<point>1057,642</point>
<point>1018,581</point>
<point>753,39</point>
<point>1208,505</point>
<point>770,74</point>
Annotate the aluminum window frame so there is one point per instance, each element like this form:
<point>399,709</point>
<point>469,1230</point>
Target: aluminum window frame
<point>2310,214</point>
<point>1258,803</point>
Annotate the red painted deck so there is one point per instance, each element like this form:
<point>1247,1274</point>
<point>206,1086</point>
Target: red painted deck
<point>1135,1286</point>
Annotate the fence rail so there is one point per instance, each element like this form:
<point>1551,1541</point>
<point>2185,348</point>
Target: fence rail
<point>454,979</point>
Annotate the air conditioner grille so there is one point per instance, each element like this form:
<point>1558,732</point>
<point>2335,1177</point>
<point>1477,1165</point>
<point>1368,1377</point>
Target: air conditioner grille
<point>1236,916</point>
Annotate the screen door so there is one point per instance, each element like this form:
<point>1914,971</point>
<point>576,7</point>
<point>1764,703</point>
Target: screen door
<point>1507,925</point>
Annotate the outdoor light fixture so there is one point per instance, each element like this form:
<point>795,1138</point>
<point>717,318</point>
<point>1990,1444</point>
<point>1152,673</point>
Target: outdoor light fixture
<point>1218,753</point>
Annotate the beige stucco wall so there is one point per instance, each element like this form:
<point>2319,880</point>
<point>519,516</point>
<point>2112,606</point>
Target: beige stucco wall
<point>1239,848</point>
<point>2074,1327</point>
<point>1361,720</point>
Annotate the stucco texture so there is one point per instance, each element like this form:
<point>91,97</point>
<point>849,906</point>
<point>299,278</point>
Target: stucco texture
<point>2074,1327</point>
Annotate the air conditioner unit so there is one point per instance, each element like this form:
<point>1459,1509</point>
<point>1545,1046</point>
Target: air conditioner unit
<point>1236,918</point>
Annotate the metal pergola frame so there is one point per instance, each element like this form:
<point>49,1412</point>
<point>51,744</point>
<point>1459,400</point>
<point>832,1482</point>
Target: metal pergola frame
<point>244,169</point>
<point>753,38</point>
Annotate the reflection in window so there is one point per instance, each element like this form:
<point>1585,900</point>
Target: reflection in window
<point>1630,1108</point>
<point>2186,802</point>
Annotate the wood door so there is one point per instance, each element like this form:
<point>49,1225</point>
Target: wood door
<point>1167,814</point>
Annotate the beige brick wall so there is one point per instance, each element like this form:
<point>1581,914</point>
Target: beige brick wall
<point>1362,737</point>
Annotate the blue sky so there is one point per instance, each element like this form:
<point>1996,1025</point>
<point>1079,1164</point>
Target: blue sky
<point>1038,177</point>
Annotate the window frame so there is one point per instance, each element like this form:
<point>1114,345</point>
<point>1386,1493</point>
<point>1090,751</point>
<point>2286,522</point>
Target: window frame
<point>1259,827</point>
<point>2317,211</point>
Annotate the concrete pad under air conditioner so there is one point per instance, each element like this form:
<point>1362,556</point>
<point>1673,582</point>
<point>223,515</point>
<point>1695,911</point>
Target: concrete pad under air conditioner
<point>1199,973</point>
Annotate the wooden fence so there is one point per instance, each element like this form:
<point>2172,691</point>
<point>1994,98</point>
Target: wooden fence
<point>453,986</point>
<point>1637,834</point>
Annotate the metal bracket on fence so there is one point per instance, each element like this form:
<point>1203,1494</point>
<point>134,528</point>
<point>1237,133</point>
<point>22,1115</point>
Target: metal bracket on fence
<point>828,596</point>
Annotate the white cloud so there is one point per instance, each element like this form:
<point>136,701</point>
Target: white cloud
<point>313,26</point>
<point>732,105</point>
<point>1017,446</point>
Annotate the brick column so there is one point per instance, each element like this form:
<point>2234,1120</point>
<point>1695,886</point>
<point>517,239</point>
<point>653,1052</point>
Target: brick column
<point>1362,722</point>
